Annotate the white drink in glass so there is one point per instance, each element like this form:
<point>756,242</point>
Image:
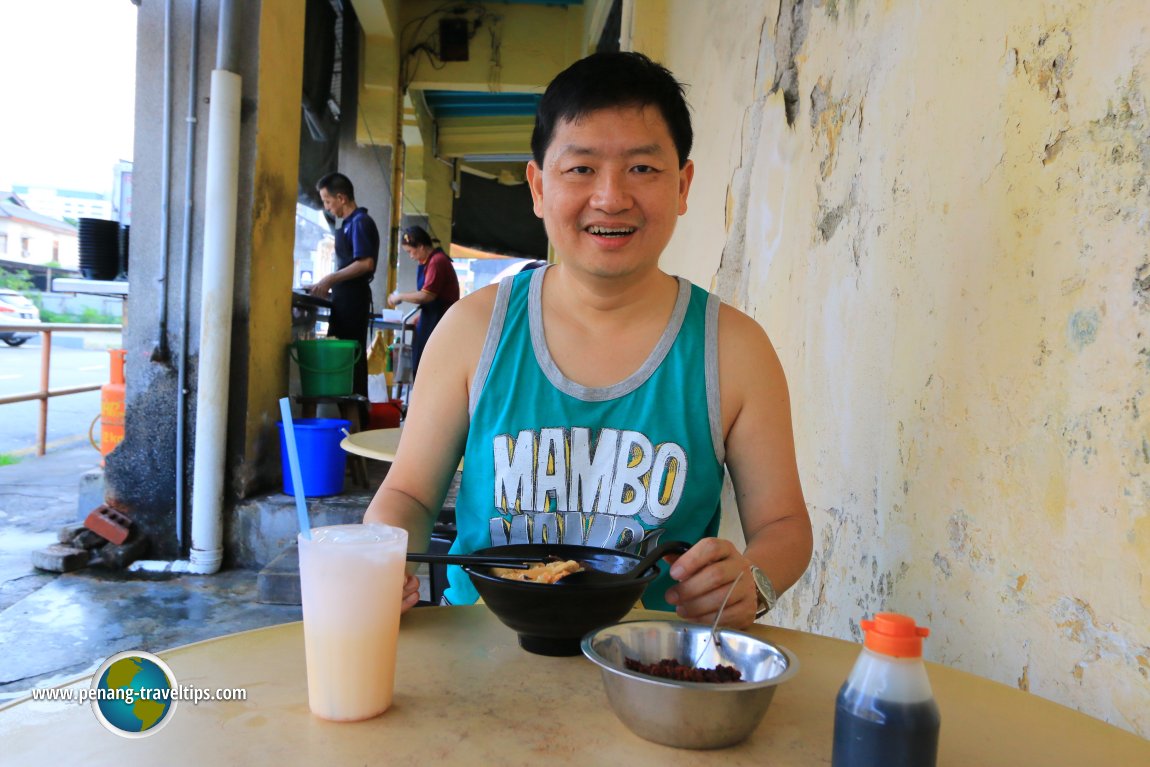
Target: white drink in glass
<point>351,579</point>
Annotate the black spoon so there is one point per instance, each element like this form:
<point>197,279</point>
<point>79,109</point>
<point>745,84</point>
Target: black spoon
<point>592,576</point>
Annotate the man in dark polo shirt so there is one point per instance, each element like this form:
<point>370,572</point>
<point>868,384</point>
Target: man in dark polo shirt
<point>356,251</point>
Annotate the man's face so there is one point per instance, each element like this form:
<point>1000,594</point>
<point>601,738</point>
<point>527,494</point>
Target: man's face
<point>610,190</point>
<point>334,204</point>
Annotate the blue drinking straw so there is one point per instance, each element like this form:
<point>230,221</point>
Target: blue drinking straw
<point>296,476</point>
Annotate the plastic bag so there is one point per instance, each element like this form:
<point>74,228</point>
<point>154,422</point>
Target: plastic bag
<point>402,367</point>
<point>377,356</point>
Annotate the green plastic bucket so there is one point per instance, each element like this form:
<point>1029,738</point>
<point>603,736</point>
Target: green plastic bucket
<point>325,366</point>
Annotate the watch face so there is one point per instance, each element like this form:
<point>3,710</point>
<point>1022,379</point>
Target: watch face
<point>767,596</point>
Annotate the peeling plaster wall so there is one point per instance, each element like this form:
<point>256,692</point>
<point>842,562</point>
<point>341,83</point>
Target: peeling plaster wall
<point>941,215</point>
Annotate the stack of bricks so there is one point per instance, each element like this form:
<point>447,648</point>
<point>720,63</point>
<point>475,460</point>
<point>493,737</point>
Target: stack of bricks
<point>105,537</point>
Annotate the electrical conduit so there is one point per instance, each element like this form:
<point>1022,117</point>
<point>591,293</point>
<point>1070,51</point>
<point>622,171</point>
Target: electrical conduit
<point>160,353</point>
<point>185,276</point>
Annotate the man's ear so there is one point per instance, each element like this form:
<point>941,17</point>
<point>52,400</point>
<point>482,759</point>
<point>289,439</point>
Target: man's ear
<point>686,174</point>
<point>535,182</point>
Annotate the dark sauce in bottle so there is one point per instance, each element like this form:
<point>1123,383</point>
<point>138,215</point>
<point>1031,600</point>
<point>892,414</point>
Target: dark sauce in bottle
<point>871,732</point>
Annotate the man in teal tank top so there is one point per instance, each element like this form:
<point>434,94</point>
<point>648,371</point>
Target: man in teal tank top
<point>598,401</point>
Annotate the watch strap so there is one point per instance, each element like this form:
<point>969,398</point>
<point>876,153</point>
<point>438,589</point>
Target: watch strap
<point>765,591</point>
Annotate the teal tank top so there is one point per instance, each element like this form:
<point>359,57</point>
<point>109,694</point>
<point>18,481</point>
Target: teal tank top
<point>621,467</point>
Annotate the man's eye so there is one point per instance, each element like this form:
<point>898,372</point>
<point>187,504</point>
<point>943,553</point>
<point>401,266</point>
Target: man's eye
<point>579,170</point>
<point>645,169</point>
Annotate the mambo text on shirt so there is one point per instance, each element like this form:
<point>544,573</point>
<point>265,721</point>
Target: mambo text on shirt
<point>555,485</point>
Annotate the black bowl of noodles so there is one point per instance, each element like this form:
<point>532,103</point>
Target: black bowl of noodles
<point>551,618</point>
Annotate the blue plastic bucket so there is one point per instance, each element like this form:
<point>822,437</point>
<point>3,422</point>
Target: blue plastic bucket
<point>321,459</point>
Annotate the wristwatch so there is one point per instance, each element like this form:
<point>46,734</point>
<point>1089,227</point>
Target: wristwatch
<point>765,592</point>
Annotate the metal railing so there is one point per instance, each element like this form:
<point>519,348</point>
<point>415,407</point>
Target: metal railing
<point>45,330</point>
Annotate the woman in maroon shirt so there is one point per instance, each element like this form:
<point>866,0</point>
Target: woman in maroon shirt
<point>436,283</point>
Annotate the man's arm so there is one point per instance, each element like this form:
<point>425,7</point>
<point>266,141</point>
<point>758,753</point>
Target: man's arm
<point>356,268</point>
<point>760,454</point>
<point>435,429</point>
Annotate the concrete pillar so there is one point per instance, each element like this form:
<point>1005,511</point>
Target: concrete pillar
<point>141,474</point>
<point>262,337</point>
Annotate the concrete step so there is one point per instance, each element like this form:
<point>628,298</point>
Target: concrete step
<point>278,583</point>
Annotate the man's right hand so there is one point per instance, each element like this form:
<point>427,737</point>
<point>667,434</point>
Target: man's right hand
<point>410,592</point>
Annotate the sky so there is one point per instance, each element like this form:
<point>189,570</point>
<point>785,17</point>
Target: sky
<point>69,81</point>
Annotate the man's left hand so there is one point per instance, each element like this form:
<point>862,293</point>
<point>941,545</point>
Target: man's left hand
<point>705,574</point>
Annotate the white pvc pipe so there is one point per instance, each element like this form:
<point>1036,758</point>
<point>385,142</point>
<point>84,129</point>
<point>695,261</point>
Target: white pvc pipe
<point>162,566</point>
<point>220,196</point>
<point>221,193</point>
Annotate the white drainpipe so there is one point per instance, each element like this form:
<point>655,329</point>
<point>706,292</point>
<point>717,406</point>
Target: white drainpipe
<point>221,192</point>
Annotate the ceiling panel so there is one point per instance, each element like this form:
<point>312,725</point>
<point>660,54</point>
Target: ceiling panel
<point>455,104</point>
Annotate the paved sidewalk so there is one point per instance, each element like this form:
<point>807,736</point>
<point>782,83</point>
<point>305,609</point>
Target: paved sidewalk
<point>55,627</point>
<point>37,497</point>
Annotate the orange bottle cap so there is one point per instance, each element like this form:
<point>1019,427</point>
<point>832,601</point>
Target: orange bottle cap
<point>895,635</point>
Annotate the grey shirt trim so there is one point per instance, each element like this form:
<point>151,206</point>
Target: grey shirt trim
<point>490,343</point>
<point>628,384</point>
<point>711,375</point>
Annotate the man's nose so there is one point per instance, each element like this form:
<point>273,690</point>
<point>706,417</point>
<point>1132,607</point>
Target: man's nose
<point>611,194</point>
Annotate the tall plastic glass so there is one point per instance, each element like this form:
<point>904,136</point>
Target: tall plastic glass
<point>351,579</point>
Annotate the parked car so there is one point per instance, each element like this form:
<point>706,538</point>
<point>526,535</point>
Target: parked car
<point>15,309</point>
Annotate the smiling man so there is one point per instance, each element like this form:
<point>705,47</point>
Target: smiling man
<point>598,401</point>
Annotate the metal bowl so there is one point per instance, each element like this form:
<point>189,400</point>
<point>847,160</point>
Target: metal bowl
<point>688,714</point>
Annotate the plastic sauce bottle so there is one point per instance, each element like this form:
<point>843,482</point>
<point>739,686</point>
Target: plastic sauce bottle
<point>885,714</point>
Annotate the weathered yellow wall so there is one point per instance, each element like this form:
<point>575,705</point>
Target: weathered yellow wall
<point>535,42</point>
<point>378,103</point>
<point>273,230</point>
<point>647,28</point>
<point>948,247</point>
<point>427,187</point>
<point>379,72</point>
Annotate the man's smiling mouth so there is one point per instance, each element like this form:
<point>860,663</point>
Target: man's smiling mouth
<point>610,231</point>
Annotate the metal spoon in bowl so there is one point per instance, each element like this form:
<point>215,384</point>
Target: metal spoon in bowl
<point>592,576</point>
<point>712,635</point>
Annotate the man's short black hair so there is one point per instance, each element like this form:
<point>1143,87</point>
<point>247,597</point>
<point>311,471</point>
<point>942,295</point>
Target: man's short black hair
<point>336,183</point>
<point>608,80</point>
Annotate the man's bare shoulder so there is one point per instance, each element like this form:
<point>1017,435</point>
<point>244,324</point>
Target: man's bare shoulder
<point>475,307</point>
<point>739,328</point>
<point>749,368</point>
<point>458,338</point>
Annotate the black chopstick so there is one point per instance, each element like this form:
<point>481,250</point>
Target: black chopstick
<point>478,560</point>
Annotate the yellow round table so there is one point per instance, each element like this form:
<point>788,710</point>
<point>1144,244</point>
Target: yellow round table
<point>379,444</point>
<point>466,694</point>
